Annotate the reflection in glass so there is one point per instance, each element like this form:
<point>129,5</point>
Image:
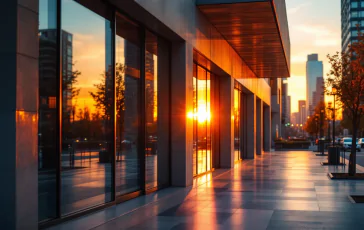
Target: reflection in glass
<point>208,122</point>
<point>151,109</point>
<point>202,120</point>
<point>47,114</point>
<point>87,109</point>
<point>128,61</point>
<point>195,123</point>
<point>237,118</point>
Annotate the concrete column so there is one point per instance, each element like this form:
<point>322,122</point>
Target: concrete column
<point>226,122</point>
<point>276,119</point>
<point>267,128</point>
<point>251,127</point>
<point>18,116</point>
<point>163,114</point>
<point>259,137</point>
<point>181,103</point>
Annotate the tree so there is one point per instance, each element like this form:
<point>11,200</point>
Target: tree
<point>103,98</point>
<point>70,93</point>
<point>312,126</point>
<point>347,77</point>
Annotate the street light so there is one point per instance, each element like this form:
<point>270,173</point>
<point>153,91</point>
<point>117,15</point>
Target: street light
<point>333,92</point>
<point>329,107</point>
<point>317,128</point>
<point>321,143</point>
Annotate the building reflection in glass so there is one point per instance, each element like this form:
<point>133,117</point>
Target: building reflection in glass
<point>128,61</point>
<point>151,109</point>
<point>47,114</point>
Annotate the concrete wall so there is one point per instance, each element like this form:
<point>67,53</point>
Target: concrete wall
<point>18,117</point>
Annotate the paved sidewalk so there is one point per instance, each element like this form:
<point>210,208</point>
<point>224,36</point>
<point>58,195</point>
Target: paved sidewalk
<point>279,190</point>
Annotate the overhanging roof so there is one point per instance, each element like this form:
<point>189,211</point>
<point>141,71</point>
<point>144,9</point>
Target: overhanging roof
<point>257,30</point>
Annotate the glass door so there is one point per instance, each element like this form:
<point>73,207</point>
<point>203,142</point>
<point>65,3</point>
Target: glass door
<point>202,117</point>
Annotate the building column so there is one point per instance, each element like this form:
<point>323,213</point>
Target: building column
<point>259,138</point>
<point>226,122</point>
<point>181,105</point>
<point>18,117</point>
<point>267,128</point>
<point>276,119</point>
<point>251,127</point>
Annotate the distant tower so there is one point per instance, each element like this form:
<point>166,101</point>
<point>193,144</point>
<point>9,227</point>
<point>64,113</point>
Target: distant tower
<point>314,70</point>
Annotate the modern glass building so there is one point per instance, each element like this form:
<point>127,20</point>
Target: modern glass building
<point>314,70</point>
<point>352,15</point>
<point>109,100</point>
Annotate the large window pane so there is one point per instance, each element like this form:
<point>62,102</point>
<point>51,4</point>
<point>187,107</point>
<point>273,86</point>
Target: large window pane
<point>128,61</point>
<point>151,110</point>
<point>47,122</point>
<point>195,122</point>
<point>202,120</point>
<point>237,121</point>
<point>208,122</point>
<point>87,109</point>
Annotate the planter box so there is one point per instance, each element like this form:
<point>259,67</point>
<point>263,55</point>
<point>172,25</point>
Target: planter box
<point>105,157</point>
<point>292,145</point>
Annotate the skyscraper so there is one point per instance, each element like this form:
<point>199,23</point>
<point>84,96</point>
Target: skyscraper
<point>302,115</point>
<point>314,69</point>
<point>318,94</point>
<point>352,13</point>
<point>289,109</point>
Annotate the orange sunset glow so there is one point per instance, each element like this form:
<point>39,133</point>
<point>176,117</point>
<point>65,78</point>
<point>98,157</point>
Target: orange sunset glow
<point>314,28</point>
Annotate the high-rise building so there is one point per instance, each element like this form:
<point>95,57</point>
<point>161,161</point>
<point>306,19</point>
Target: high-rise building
<point>302,115</point>
<point>294,118</point>
<point>289,120</point>
<point>314,70</point>
<point>352,14</point>
<point>284,102</point>
<point>318,94</point>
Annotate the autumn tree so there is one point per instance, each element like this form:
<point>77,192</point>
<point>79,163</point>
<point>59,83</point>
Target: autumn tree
<point>312,126</point>
<point>70,93</point>
<point>346,76</point>
<point>103,98</point>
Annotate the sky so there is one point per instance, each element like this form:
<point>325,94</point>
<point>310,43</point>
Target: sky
<point>314,27</point>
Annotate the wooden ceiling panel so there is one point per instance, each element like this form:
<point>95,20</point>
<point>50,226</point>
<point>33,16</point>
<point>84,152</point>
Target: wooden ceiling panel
<point>251,29</point>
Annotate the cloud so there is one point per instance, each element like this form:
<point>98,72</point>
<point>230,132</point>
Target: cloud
<point>298,8</point>
<point>327,42</point>
<point>298,59</point>
<point>316,30</point>
<point>319,35</point>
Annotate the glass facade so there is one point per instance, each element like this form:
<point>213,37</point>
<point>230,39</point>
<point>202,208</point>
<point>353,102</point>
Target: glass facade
<point>104,99</point>
<point>352,14</point>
